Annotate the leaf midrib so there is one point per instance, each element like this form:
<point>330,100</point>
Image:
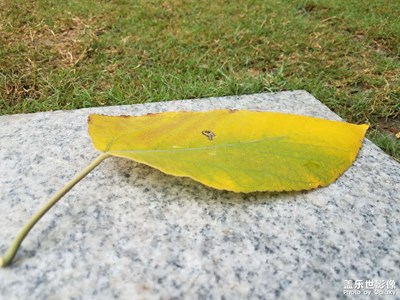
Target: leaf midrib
<point>235,144</point>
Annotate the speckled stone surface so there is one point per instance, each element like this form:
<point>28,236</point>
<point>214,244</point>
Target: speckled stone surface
<point>127,231</point>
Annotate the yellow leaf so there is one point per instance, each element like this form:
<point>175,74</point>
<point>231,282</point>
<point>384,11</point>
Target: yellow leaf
<point>235,150</point>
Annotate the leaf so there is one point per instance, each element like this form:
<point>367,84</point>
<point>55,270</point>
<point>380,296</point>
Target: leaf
<point>235,150</point>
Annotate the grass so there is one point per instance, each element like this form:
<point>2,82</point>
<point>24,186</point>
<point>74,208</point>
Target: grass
<point>74,54</point>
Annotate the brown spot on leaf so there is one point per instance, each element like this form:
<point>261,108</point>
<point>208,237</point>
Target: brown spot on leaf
<point>209,134</point>
<point>232,111</point>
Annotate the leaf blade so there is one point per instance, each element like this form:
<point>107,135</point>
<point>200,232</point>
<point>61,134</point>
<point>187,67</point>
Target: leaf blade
<point>249,151</point>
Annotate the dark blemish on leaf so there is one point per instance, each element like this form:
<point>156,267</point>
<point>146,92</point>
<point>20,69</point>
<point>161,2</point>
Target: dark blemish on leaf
<point>231,111</point>
<point>125,116</point>
<point>209,134</point>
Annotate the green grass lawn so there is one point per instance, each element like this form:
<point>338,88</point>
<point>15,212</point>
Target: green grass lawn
<point>73,54</point>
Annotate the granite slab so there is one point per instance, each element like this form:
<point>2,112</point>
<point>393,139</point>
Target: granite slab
<point>128,231</point>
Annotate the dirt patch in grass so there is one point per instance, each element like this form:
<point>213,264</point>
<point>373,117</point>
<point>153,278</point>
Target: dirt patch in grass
<point>390,125</point>
<point>66,44</point>
<point>35,49</point>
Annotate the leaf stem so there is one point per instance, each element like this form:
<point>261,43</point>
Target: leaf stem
<point>12,250</point>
